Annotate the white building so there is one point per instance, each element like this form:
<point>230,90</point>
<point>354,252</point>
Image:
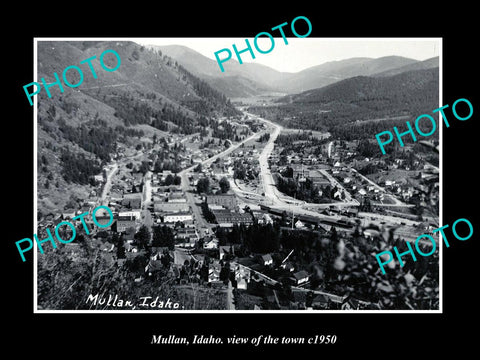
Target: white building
<point>136,213</point>
<point>172,218</point>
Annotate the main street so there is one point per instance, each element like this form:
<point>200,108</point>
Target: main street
<point>108,183</point>
<point>202,224</point>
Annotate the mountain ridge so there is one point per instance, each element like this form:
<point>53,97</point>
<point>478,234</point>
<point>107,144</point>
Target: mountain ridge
<point>254,79</point>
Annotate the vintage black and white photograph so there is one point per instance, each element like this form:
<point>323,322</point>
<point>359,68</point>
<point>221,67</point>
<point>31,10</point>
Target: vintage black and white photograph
<point>301,180</point>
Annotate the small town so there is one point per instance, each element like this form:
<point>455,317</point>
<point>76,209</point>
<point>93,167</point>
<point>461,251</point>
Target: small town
<point>237,217</point>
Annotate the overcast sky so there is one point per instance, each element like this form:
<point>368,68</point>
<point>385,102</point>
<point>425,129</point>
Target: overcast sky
<point>301,53</point>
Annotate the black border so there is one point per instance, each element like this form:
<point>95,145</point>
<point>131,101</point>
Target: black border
<point>375,334</point>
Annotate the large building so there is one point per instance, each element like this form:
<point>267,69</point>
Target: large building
<point>228,217</point>
<point>317,178</point>
<point>228,201</point>
<point>170,207</point>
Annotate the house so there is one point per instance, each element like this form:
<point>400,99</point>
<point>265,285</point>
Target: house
<point>320,302</point>
<point>133,201</point>
<point>258,216</point>
<point>153,266</point>
<point>299,225</point>
<point>267,219</point>
<point>267,260</point>
<point>68,215</point>
<point>129,234</point>
<point>124,223</point>
<point>350,303</point>
<point>106,246</point>
<point>214,272</point>
<point>242,284</point>
<point>115,196</point>
<point>210,244</point>
<point>337,195</point>
<point>240,271</point>
<point>137,178</point>
<point>301,277</point>
<point>98,178</point>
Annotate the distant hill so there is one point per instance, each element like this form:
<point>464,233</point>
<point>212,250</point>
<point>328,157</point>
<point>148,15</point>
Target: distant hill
<point>238,80</point>
<point>363,89</point>
<point>419,65</point>
<point>331,72</point>
<point>357,99</point>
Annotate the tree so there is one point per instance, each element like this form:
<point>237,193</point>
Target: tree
<point>169,180</point>
<point>166,260</point>
<point>177,180</point>
<point>203,185</point>
<point>198,168</point>
<point>225,272</point>
<point>224,184</point>
<point>120,247</point>
<point>142,237</point>
<point>163,237</point>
